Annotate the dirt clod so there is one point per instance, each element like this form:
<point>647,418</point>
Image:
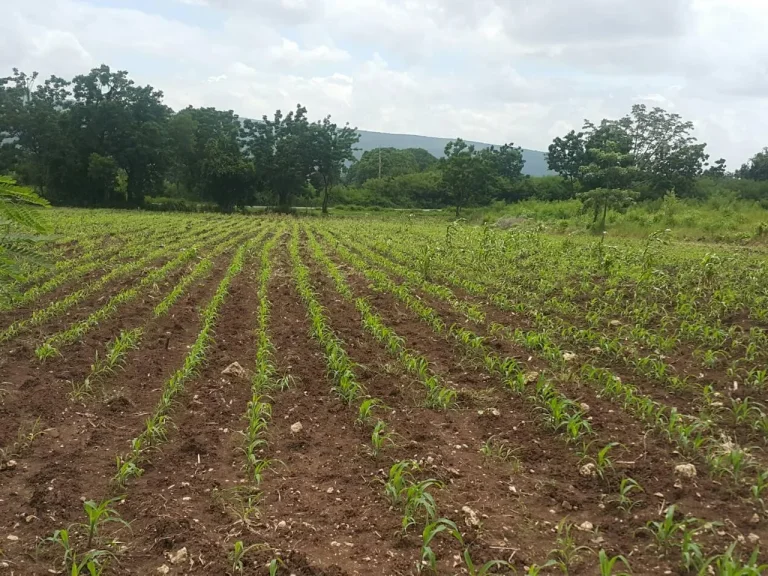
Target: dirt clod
<point>236,370</point>
<point>685,470</point>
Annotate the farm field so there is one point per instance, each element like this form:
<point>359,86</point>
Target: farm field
<point>409,397</point>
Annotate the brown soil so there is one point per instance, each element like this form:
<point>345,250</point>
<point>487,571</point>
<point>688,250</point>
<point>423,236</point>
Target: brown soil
<point>321,507</point>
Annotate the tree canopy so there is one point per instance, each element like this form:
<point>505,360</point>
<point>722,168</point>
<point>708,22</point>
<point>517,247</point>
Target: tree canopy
<point>657,146</point>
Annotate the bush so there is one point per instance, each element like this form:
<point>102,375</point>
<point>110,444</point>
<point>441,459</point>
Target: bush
<point>161,204</point>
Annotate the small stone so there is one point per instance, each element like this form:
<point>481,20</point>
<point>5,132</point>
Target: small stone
<point>568,356</point>
<point>164,569</point>
<point>236,370</point>
<point>753,538</point>
<point>282,525</point>
<point>685,470</point>
<point>658,495</point>
<point>755,519</point>
<point>615,323</point>
<point>566,505</point>
<point>296,427</point>
<point>584,407</point>
<point>586,526</point>
<point>330,490</point>
<point>178,557</point>
<point>495,412</point>
<point>430,460</point>
<point>531,376</point>
<point>588,470</point>
<point>12,538</point>
<point>11,464</point>
<point>470,517</point>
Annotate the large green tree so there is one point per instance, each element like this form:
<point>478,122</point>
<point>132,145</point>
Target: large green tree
<point>332,149</point>
<point>227,176</point>
<point>281,150</point>
<point>55,129</point>
<point>468,176</point>
<point>756,168</point>
<point>567,155</point>
<point>189,133</point>
<point>660,145</point>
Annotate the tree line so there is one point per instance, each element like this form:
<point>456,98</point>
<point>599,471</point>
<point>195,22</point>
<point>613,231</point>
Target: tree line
<point>101,140</point>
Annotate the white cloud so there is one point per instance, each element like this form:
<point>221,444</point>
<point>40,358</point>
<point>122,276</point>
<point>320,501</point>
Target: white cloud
<point>289,53</point>
<point>492,70</point>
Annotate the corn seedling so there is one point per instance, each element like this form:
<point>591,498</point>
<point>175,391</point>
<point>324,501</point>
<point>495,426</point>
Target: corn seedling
<point>608,564</point>
<point>380,438</point>
<point>568,553</point>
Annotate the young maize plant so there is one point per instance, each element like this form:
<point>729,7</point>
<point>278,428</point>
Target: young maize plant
<point>200,271</point>
<point>117,349</point>
<point>73,270</point>
<point>340,367</point>
<point>62,305</point>
<point>156,426</point>
<point>457,269</point>
<point>50,347</point>
<point>694,437</point>
<point>562,414</point>
<point>697,437</point>
<point>114,358</point>
<point>259,411</point>
<point>411,278</point>
<point>412,496</point>
<point>438,396</point>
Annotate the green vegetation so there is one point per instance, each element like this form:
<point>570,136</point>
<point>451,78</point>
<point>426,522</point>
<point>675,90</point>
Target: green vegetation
<point>645,170</point>
<point>21,227</point>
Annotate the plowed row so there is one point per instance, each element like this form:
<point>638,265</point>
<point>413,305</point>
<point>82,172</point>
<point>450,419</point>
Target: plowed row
<point>503,378</point>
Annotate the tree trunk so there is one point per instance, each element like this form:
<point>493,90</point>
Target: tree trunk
<point>458,210</point>
<point>605,213</point>
<point>327,190</point>
<point>325,201</point>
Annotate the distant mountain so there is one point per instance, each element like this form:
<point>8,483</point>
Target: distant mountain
<point>535,160</point>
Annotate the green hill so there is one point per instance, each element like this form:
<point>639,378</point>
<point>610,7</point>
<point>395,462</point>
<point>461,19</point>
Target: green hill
<point>535,160</point>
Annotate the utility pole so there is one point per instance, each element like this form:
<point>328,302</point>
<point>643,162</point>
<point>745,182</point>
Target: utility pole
<point>379,163</point>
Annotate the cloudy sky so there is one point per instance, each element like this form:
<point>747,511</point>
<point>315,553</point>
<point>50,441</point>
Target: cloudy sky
<point>489,70</point>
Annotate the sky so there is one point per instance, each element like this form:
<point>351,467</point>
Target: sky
<point>497,71</point>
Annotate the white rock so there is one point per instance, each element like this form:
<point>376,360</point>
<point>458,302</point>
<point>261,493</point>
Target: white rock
<point>296,427</point>
<point>282,525</point>
<point>235,369</point>
<point>164,569</point>
<point>753,538</point>
<point>588,470</point>
<point>755,519</point>
<point>685,470</point>
<point>330,490</point>
<point>178,557</point>
<point>584,407</point>
<point>470,517</point>
<point>531,376</point>
<point>568,356</point>
<point>495,412</point>
<point>586,526</point>
<point>12,538</point>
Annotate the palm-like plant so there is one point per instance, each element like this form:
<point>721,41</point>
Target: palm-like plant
<point>21,227</point>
